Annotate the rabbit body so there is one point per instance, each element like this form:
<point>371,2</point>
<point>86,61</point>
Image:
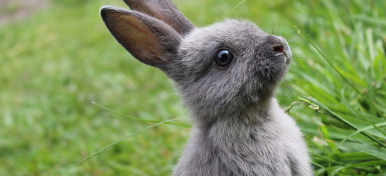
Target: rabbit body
<point>226,75</point>
<point>253,143</point>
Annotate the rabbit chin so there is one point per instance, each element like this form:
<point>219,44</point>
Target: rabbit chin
<point>206,110</point>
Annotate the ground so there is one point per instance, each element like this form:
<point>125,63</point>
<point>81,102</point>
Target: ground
<point>16,10</point>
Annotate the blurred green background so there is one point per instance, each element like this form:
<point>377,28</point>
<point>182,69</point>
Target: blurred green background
<point>57,57</point>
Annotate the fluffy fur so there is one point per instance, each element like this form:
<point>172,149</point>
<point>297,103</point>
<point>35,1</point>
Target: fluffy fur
<point>239,128</point>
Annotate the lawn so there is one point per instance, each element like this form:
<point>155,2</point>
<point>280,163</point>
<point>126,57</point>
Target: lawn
<point>58,61</point>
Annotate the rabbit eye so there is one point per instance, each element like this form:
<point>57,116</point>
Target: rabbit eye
<point>223,58</point>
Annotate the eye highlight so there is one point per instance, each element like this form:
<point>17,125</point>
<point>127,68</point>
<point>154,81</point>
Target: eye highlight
<point>223,58</point>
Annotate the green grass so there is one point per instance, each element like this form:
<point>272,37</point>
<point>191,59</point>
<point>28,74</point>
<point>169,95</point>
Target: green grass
<point>55,63</point>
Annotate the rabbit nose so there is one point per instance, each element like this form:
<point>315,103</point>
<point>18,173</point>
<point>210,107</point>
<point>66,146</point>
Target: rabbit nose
<point>276,44</point>
<point>278,48</point>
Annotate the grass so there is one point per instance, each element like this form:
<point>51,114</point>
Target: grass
<point>54,64</point>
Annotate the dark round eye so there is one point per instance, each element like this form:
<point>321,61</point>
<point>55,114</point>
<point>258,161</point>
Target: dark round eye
<point>223,58</point>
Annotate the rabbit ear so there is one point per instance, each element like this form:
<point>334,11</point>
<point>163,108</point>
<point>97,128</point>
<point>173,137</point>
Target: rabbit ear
<point>149,40</point>
<point>164,10</point>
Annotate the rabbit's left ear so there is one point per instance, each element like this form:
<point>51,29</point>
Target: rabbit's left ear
<point>149,40</point>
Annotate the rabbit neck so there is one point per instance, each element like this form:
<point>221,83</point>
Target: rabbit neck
<point>253,113</point>
<point>251,116</point>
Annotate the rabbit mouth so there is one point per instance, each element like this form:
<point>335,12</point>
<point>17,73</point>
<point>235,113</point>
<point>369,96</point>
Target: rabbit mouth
<point>286,55</point>
<point>283,55</point>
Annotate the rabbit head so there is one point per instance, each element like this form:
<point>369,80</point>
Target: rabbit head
<point>226,68</point>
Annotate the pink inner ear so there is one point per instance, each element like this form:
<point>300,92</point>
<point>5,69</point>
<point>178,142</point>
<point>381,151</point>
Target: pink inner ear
<point>133,33</point>
<point>133,25</point>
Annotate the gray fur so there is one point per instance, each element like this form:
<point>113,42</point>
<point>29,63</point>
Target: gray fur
<point>239,128</point>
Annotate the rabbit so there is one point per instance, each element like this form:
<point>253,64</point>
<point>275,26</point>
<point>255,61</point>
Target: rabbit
<point>226,74</point>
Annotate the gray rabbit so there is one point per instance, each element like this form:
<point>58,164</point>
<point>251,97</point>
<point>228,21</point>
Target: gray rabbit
<point>226,74</point>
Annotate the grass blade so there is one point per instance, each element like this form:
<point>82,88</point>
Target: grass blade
<point>230,12</point>
<point>365,148</point>
<point>327,137</point>
<point>344,78</point>
<point>319,107</point>
<point>352,134</point>
<point>89,157</point>
<point>145,120</point>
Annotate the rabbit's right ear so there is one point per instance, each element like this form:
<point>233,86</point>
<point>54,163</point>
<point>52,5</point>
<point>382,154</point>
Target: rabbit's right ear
<point>164,10</point>
<point>149,40</point>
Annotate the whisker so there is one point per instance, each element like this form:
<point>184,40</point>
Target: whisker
<point>285,35</point>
